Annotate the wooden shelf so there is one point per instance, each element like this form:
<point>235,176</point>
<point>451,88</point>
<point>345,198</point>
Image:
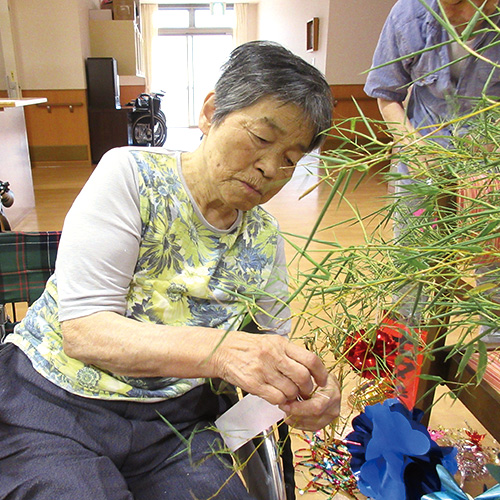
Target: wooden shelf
<point>482,400</point>
<point>24,101</point>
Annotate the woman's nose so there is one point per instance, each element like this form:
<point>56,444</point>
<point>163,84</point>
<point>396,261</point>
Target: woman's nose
<point>269,165</point>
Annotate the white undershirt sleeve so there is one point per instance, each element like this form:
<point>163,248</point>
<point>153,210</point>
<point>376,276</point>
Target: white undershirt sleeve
<point>100,240</point>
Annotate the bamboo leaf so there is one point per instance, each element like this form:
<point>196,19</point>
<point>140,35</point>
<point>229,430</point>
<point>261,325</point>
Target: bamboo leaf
<point>465,358</point>
<point>482,362</point>
<point>433,378</point>
<point>467,32</point>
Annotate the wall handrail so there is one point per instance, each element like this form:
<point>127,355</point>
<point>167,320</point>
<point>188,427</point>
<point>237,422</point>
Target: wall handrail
<point>69,105</point>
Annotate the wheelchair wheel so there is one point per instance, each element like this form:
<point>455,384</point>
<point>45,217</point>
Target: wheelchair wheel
<point>141,131</point>
<point>4,223</point>
<point>161,115</point>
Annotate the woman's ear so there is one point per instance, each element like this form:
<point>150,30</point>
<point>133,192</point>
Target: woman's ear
<point>207,113</point>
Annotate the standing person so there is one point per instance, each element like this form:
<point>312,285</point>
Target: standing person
<point>161,256</point>
<point>419,93</point>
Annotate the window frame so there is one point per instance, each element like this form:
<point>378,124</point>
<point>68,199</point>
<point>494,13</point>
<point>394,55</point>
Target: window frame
<point>192,29</point>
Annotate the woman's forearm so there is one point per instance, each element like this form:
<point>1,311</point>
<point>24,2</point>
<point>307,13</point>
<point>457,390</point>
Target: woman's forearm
<point>128,347</point>
<point>398,124</point>
<point>267,365</point>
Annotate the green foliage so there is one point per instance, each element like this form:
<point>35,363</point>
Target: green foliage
<point>452,218</point>
<point>438,271</point>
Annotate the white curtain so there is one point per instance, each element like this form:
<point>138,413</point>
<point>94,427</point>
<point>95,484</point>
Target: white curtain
<point>149,32</point>
<point>240,33</point>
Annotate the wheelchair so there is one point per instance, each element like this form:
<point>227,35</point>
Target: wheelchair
<point>6,200</point>
<point>149,124</point>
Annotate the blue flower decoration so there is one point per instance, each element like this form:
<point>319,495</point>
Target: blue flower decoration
<point>396,457</point>
<point>451,491</point>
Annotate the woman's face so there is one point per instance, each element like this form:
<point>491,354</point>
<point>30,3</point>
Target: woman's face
<point>460,12</point>
<point>252,153</point>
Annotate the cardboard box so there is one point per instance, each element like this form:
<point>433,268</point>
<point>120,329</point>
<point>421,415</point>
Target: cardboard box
<point>125,10</point>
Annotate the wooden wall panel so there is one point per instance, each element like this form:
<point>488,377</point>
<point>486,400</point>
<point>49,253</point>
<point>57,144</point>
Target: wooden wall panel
<point>60,133</point>
<point>345,108</point>
<point>130,92</point>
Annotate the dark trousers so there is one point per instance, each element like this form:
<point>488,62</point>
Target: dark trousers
<point>58,446</point>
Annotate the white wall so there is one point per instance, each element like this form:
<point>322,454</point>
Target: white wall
<point>348,32</point>
<point>83,14</point>
<point>284,21</point>
<point>51,39</point>
<point>8,64</point>
<point>353,31</point>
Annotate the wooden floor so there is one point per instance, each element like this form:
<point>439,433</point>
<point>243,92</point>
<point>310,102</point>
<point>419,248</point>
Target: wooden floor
<point>57,186</point>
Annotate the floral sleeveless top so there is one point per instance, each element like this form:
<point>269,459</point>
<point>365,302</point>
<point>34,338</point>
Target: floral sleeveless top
<point>187,274</point>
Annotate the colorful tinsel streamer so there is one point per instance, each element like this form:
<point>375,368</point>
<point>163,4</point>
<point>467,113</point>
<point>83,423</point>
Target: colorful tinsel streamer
<point>328,466</point>
<point>370,392</point>
<point>472,454</point>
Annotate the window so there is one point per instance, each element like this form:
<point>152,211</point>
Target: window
<point>193,42</point>
<point>214,18</point>
<point>172,18</point>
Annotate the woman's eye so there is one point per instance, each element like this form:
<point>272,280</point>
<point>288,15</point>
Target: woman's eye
<point>260,138</point>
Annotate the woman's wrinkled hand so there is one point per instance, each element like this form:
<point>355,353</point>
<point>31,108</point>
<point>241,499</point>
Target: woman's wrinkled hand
<point>281,372</point>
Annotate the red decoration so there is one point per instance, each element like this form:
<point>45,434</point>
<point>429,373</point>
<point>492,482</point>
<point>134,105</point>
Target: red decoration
<point>409,360</point>
<point>475,437</point>
<point>391,354</point>
<point>372,359</point>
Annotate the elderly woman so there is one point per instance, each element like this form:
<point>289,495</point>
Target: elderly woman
<point>162,255</point>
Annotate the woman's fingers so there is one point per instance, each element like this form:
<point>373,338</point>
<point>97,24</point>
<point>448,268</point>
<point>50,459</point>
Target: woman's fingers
<point>269,366</point>
<point>318,411</point>
<point>281,386</point>
<point>309,362</point>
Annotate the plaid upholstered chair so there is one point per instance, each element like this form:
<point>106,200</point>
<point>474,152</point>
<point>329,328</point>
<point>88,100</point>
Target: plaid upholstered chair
<point>26,262</point>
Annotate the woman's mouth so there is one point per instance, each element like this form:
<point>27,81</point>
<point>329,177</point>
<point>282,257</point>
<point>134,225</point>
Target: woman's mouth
<point>251,187</point>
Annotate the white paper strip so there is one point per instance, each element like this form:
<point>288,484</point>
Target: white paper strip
<point>246,419</point>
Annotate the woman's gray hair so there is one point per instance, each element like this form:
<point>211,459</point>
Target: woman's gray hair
<point>260,69</point>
